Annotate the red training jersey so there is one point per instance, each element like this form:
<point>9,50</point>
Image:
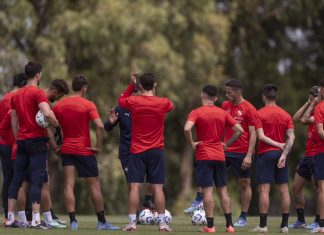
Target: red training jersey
<point>25,102</point>
<point>319,118</point>
<point>6,132</point>
<point>14,151</point>
<point>74,114</point>
<point>148,115</point>
<point>210,123</point>
<point>5,106</point>
<point>310,146</point>
<point>244,113</point>
<point>275,122</point>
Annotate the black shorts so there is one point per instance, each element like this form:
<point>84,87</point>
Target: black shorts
<point>150,163</point>
<point>267,171</point>
<point>86,166</point>
<point>305,167</point>
<point>319,166</point>
<point>124,164</point>
<point>235,160</point>
<point>209,172</point>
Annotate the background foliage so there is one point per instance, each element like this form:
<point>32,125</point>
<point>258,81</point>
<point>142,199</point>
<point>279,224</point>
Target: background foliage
<point>187,43</point>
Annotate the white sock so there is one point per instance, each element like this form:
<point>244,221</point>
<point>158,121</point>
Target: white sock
<point>132,218</point>
<point>161,219</point>
<point>22,216</point>
<point>36,218</point>
<point>11,217</point>
<point>48,216</point>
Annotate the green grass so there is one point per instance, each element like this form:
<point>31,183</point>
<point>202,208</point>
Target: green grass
<point>180,225</point>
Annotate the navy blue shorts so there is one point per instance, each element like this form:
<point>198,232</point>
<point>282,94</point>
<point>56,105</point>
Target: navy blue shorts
<point>124,164</point>
<point>305,167</point>
<point>267,171</point>
<point>150,163</point>
<point>86,166</point>
<point>209,172</point>
<point>235,160</point>
<point>319,166</point>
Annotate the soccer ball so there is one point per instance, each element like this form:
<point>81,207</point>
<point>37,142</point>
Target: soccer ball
<point>146,217</point>
<point>167,214</point>
<point>199,218</point>
<point>41,120</point>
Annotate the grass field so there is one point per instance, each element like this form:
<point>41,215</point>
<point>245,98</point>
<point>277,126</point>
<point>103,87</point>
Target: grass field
<point>180,225</point>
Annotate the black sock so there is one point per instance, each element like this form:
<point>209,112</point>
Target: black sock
<point>317,219</point>
<point>284,220</point>
<point>6,214</point>
<point>210,222</point>
<point>148,198</point>
<point>199,196</point>
<point>29,215</point>
<point>72,217</point>
<point>300,215</point>
<point>53,214</point>
<point>228,218</point>
<point>263,220</point>
<point>321,223</point>
<point>243,215</point>
<point>101,216</point>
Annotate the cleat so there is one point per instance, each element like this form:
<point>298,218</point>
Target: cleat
<point>62,222</point>
<point>312,225</point>
<point>196,205</point>
<point>258,229</point>
<point>284,230</point>
<point>129,227</point>
<point>317,230</point>
<point>21,224</point>
<point>106,226</point>
<point>208,230</point>
<point>240,222</point>
<point>41,225</point>
<point>165,228</point>
<point>55,224</point>
<point>230,229</point>
<point>5,221</point>
<point>297,224</point>
<point>74,225</point>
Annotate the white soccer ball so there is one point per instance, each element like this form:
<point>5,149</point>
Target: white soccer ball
<point>167,217</point>
<point>146,217</point>
<point>41,120</point>
<point>199,218</point>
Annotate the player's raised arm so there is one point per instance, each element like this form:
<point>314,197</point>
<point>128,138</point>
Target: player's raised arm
<point>122,101</point>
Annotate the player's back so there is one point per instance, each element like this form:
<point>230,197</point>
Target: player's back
<point>5,104</point>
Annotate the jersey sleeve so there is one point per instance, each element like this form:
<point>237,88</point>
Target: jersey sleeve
<point>251,116</point>
<point>193,116</point>
<point>258,121</point>
<point>290,123</point>
<point>168,105</point>
<point>92,111</point>
<point>229,120</point>
<point>5,124</point>
<point>318,115</point>
<point>124,99</point>
<point>41,97</point>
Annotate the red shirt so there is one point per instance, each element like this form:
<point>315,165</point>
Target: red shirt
<point>244,114</point>
<point>25,102</point>
<point>210,123</point>
<point>310,146</point>
<point>5,106</point>
<point>74,114</point>
<point>275,122</point>
<point>319,118</point>
<point>148,115</point>
<point>6,132</point>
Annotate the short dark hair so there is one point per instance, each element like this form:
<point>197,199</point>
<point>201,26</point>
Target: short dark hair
<point>60,85</point>
<point>210,90</point>
<point>78,82</point>
<point>32,68</point>
<point>270,91</point>
<point>321,83</point>
<point>19,80</point>
<point>314,91</point>
<point>147,81</point>
<point>234,84</point>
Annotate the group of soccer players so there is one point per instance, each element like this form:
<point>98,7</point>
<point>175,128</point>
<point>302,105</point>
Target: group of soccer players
<point>225,137</point>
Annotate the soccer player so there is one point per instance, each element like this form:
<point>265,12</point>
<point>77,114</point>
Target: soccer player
<point>305,167</point>
<point>148,115</point>
<point>123,117</point>
<point>31,139</point>
<point>319,157</point>
<point>239,154</point>
<point>6,142</point>
<point>74,113</point>
<point>210,122</point>
<point>275,131</point>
